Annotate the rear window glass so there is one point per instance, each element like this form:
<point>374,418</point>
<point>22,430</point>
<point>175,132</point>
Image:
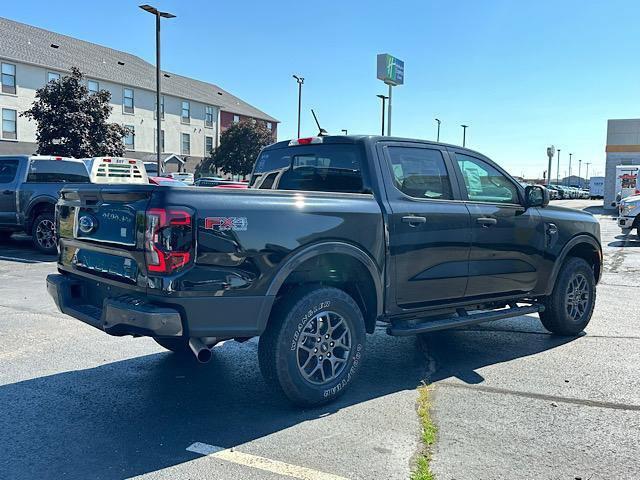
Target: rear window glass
<point>57,171</point>
<point>320,168</point>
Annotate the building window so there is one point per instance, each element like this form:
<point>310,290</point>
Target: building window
<point>127,100</point>
<point>8,78</point>
<point>269,126</point>
<point>208,146</point>
<point>185,116</point>
<point>130,137</point>
<point>208,116</point>
<point>236,118</point>
<point>9,124</point>
<point>93,86</point>
<point>185,147</point>
<point>52,76</point>
<point>155,140</point>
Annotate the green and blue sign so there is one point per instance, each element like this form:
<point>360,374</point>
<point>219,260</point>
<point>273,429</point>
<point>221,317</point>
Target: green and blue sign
<point>390,69</point>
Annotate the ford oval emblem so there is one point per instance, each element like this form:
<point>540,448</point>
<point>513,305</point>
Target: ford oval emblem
<point>87,224</point>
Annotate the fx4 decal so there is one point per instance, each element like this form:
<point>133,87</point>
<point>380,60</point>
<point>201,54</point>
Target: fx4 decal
<point>237,224</point>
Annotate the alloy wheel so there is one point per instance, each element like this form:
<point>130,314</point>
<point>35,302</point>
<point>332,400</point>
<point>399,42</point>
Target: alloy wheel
<point>46,234</point>
<point>577,297</point>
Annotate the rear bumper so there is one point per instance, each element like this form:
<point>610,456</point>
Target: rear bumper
<point>124,314</point>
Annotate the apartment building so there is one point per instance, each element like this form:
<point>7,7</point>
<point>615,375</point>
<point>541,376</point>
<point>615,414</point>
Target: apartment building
<point>193,113</point>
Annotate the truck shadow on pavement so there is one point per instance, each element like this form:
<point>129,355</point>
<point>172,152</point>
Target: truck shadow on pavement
<point>20,249</point>
<point>138,415</point>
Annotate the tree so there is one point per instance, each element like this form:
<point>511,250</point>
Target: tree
<point>73,122</point>
<point>239,147</point>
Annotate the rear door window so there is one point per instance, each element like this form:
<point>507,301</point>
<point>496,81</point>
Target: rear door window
<point>57,171</point>
<point>8,170</point>
<point>321,168</point>
<point>420,172</point>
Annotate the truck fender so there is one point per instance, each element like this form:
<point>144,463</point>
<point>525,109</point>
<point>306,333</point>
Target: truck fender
<point>33,204</point>
<point>314,250</point>
<point>578,239</point>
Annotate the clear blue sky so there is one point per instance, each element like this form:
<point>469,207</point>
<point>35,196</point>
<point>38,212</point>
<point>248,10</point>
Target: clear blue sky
<point>522,74</point>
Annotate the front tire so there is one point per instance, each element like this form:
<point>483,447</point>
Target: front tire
<point>43,233</point>
<point>313,345</point>
<point>569,308</point>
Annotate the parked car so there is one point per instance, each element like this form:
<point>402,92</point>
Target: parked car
<point>166,182</point>
<point>29,187</point>
<point>183,177</point>
<point>151,168</point>
<point>353,231</point>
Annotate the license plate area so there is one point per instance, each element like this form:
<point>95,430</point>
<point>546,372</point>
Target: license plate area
<point>108,223</point>
<point>106,265</point>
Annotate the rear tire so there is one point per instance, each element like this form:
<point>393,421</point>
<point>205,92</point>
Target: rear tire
<point>179,345</point>
<point>313,345</point>
<point>569,308</point>
<point>43,233</point>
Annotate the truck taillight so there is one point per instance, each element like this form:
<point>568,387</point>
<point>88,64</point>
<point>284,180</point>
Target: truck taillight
<point>168,238</point>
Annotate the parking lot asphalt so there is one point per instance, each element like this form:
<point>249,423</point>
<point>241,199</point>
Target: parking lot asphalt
<point>510,400</point>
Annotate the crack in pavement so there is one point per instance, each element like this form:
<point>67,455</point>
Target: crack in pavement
<point>542,396</point>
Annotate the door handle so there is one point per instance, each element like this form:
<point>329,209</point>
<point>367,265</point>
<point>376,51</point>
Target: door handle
<point>486,221</point>
<point>7,192</point>
<point>414,220</point>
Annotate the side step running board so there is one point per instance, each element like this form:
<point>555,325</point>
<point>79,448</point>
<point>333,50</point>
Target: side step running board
<point>403,329</point>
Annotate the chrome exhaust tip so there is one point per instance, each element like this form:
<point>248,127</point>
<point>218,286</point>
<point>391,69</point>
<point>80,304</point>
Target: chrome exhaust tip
<point>200,350</point>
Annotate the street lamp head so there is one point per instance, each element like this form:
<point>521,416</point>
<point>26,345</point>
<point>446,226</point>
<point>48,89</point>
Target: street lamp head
<point>383,97</point>
<point>438,120</point>
<point>155,11</point>
<point>300,80</point>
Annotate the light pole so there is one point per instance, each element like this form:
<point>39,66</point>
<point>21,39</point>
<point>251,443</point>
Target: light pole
<point>464,134</point>
<point>300,81</point>
<point>383,98</point>
<point>558,169</point>
<point>158,14</point>
<point>579,169</point>
<point>344,130</point>
<point>569,177</point>
<point>587,174</point>
<point>438,136</point>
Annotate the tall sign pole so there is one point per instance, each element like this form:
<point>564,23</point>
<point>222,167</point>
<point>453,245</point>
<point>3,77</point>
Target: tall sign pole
<point>551,151</point>
<point>558,169</point>
<point>391,71</point>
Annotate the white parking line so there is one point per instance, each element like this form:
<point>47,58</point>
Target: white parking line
<point>261,463</point>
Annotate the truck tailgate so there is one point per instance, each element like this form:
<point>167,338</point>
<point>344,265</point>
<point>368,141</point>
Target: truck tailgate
<point>101,232</point>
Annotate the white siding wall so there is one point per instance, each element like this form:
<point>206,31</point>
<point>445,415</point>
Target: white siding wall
<point>29,78</point>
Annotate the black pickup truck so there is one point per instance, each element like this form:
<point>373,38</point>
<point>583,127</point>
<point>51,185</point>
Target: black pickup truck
<point>29,187</point>
<point>334,236</point>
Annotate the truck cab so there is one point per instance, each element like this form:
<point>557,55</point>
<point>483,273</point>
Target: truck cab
<point>334,236</point>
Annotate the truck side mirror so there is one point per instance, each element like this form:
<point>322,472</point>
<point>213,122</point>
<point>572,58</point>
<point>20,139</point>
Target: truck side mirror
<point>536,196</point>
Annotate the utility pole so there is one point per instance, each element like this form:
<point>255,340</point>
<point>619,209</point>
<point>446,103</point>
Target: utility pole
<point>300,81</point>
<point>558,169</point>
<point>157,13</point>
<point>438,136</point>
<point>587,174</point>
<point>464,134</point>
<point>344,130</point>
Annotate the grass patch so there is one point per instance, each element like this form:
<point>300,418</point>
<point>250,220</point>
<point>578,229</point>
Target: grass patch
<point>429,430</point>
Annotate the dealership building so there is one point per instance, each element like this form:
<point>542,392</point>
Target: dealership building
<point>193,113</point>
<point>623,148</point>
